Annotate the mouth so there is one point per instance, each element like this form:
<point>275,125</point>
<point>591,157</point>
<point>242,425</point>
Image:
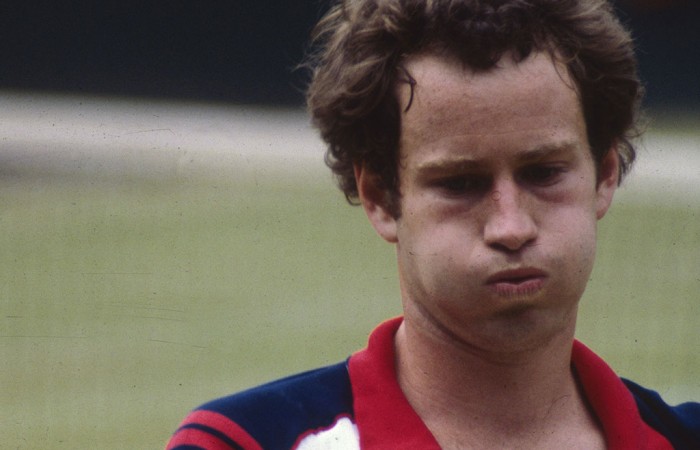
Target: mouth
<point>517,282</point>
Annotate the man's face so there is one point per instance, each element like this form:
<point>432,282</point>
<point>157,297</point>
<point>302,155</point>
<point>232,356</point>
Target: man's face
<point>499,201</point>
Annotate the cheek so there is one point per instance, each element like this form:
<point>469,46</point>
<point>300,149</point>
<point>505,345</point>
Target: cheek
<point>435,240</point>
<point>573,247</point>
<point>438,258</point>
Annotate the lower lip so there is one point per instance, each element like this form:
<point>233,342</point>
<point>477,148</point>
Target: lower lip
<point>529,286</point>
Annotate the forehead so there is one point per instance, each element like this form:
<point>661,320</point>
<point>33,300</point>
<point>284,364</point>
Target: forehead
<point>531,103</point>
<point>438,77</point>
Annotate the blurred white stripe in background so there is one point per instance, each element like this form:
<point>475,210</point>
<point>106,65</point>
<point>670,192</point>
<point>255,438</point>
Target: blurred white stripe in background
<point>108,136</point>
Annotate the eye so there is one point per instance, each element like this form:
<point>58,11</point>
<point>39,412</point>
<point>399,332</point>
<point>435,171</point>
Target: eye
<point>463,184</point>
<point>542,174</point>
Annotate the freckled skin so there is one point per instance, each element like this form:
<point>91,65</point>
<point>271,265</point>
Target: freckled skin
<point>499,202</point>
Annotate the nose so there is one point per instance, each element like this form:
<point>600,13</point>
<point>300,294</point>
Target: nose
<point>509,225</point>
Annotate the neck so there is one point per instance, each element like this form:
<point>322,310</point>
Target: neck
<point>483,393</point>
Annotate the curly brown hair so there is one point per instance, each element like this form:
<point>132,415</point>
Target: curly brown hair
<point>360,45</point>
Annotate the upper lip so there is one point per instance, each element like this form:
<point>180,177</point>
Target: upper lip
<point>516,275</point>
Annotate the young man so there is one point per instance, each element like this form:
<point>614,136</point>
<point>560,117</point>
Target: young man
<point>484,139</point>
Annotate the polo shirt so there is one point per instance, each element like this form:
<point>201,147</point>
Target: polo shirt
<point>358,404</point>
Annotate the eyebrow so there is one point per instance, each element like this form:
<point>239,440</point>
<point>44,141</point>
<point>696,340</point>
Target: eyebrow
<point>467,164</point>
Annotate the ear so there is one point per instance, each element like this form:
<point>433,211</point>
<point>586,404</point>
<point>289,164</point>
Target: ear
<point>373,199</point>
<point>608,178</point>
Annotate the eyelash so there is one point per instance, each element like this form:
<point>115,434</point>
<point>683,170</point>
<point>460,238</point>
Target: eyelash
<point>464,184</point>
<point>542,175</point>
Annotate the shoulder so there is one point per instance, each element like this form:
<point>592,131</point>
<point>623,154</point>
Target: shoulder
<point>679,424</point>
<point>276,414</point>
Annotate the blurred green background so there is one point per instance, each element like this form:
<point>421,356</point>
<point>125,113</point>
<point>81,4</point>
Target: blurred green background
<point>126,300</point>
<point>154,256</point>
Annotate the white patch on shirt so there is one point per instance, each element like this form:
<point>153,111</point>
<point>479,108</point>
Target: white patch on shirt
<point>342,435</point>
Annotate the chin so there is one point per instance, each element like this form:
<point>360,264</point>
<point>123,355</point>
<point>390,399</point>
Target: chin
<point>523,327</point>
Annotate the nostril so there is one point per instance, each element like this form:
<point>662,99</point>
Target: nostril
<point>511,247</point>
